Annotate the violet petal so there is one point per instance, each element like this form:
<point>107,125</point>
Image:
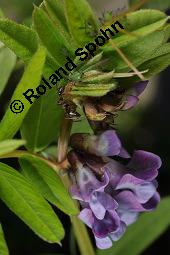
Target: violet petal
<point>110,223</point>
<point>115,236</point>
<point>87,183</point>
<point>107,144</point>
<point>131,101</point>
<point>86,216</point>
<point>128,217</point>
<point>144,165</point>
<point>103,243</point>
<point>153,202</point>
<point>123,153</point>
<point>97,208</point>
<point>139,87</point>
<point>100,202</point>
<point>128,201</point>
<point>142,189</point>
<point>75,192</point>
<point>116,171</point>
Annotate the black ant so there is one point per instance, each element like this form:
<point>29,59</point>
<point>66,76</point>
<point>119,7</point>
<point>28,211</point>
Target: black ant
<point>69,107</point>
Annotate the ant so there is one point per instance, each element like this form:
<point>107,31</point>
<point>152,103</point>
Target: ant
<point>69,108</point>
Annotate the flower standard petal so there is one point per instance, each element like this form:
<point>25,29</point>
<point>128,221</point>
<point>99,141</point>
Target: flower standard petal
<point>145,165</point>
<point>109,144</point>
<point>106,144</point>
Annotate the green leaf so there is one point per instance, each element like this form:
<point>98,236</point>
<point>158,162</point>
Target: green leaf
<point>149,32</point>
<point>23,41</point>
<point>52,8</point>
<point>139,51</point>
<point>3,245</point>
<point>19,38</point>
<point>142,233</point>
<point>138,19</point>
<point>7,63</point>
<point>126,39</point>
<point>21,198</point>
<point>35,129</point>
<point>156,65</point>
<point>158,61</point>
<point>49,184</point>
<point>81,21</point>
<point>8,146</point>
<point>11,122</point>
<point>55,10</point>
<point>155,4</point>
<point>50,36</point>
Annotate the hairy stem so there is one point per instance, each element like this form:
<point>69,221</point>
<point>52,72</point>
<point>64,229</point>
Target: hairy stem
<point>80,230</point>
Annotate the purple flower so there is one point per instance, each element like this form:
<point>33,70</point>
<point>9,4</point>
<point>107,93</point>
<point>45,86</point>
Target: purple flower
<point>111,194</point>
<point>99,109</point>
<point>107,144</point>
<point>133,99</point>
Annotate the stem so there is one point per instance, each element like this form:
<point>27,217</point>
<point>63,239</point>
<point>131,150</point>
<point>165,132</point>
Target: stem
<point>82,237</point>
<point>64,139</point>
<point>127,61</point>
<point>21,153</point>
<point>80,230</point>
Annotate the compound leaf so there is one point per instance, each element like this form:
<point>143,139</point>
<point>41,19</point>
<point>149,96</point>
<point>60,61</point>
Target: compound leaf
<point>19,38</point>
<point>21,198</point>
<point>48,183</point>
<point>81,21</point>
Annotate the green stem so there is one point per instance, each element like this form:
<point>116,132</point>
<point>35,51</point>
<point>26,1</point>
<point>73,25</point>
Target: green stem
<point>80,230</point>
<point>82,237</point>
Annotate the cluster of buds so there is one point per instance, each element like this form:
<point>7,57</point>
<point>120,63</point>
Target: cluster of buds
<point>111,194</point>
<point>98,92</point>
<point>99,109</point>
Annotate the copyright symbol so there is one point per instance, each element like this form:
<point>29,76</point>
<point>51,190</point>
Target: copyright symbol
<point>16,106</point>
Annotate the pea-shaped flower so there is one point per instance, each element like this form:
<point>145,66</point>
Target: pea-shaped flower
<point>111,194</point>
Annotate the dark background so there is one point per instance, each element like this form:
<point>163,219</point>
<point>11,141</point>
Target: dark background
<point>147,127</point>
